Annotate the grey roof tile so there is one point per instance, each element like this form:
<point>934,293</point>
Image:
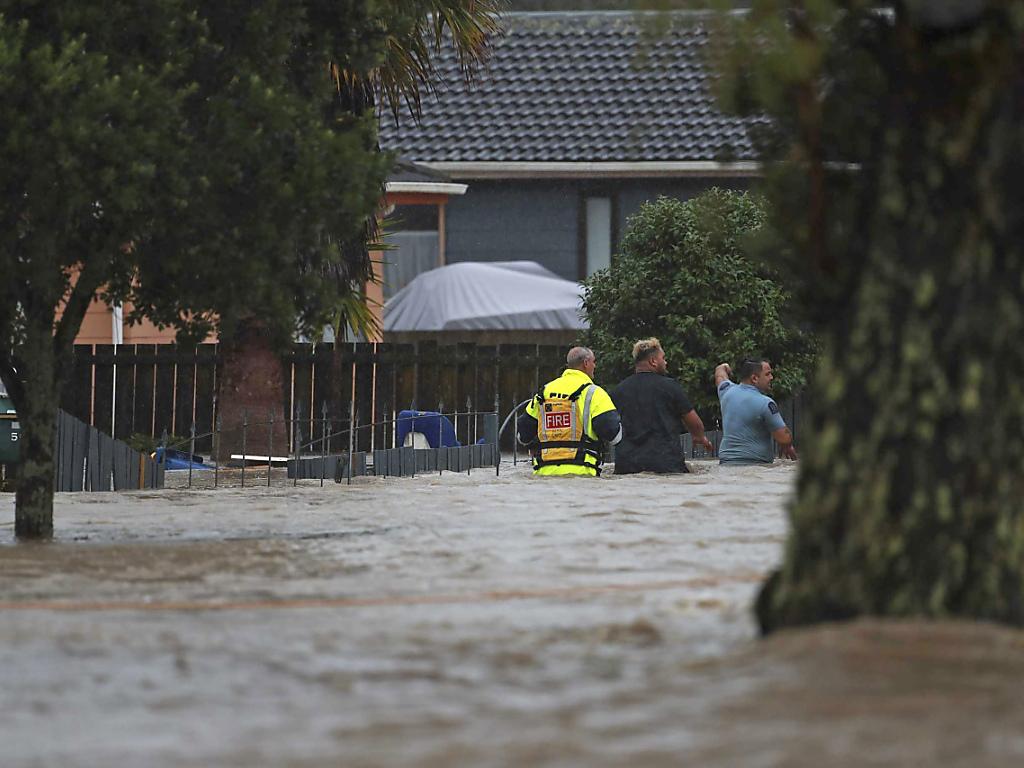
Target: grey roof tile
<point>578,86</point>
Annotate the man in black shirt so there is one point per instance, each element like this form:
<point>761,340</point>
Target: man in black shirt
<point>654,409</point>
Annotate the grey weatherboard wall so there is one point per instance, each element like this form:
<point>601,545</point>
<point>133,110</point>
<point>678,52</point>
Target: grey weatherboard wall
<point>540,221</point>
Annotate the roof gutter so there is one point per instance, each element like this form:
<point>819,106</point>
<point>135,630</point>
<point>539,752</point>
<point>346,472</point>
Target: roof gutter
<point>425,187</point>
<point>594,170</point>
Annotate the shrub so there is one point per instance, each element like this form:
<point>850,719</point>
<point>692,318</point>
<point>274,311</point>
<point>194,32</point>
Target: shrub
<point>682,274</point>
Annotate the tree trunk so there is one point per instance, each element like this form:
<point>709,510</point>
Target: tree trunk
<point>37,413</point>
<point>912,471</point>
<point>252,387</point>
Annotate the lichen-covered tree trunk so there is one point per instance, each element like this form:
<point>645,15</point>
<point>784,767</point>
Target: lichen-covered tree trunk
<point>251,393</point>
<point>37,406</point>
<point>910,498</point>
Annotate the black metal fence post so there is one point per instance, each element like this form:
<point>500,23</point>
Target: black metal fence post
<point>440,435</point>
<point>351,438</point>
<point>216,451</point>
<point>163,457</point>
<point>323,442</point>
<point>191,451</point>
<point>296,438</point>
<point>515,436</point>
<point>497,435</point>
<point>245,429</point>
<point>270,445</point>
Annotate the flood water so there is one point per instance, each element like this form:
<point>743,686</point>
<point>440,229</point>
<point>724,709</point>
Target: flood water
<point>465,620</point>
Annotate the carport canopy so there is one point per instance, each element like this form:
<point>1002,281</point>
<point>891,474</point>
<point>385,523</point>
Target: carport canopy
<point>486,296</point>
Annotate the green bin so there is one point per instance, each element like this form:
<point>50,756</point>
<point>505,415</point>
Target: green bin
<point>10,431</point>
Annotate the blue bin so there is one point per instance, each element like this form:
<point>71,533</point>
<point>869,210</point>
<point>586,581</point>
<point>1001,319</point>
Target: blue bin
<point>431,424</point>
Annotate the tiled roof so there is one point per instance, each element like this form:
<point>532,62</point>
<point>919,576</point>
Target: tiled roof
<point>578,87</point>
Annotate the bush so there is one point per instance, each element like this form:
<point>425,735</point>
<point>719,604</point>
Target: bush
<point>681,274</point>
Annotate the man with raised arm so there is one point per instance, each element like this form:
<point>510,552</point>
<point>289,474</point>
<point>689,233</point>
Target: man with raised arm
<point>750,418</point>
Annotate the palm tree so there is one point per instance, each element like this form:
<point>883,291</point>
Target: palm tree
<point>413,33</point>
<point>416,31</point>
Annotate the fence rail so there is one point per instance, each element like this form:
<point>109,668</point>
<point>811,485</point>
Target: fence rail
<point>312,460</point>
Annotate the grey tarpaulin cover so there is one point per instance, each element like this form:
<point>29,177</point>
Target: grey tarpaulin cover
<point>492,296</point>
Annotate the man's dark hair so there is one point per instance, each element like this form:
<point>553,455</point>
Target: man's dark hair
<point>749,367</point>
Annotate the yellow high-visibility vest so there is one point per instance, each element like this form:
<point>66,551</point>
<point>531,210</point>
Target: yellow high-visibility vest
<point>565,410</point>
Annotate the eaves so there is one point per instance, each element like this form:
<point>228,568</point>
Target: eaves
<point>468,170</point>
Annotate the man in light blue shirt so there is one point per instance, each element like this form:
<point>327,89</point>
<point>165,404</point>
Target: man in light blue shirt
<point>750,419</point>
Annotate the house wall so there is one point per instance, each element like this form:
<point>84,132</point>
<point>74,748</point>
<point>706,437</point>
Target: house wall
<point>635,193</point>
<point>97,324</point>
<point>541,220</point>
<point>411,252</point>
<point>511,220</point>
<point>97,328</point>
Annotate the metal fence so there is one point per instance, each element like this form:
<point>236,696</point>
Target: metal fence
<point>164,389</point>
<point>157,389</point>
<point>312,459</point>
<point>395,462</point>
<point>89,460</point>
<point>692,450</point>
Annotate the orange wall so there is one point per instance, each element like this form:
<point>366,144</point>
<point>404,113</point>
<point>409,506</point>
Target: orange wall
<point>97,325</point>
<point>375,292</point>
<point>97,328</point>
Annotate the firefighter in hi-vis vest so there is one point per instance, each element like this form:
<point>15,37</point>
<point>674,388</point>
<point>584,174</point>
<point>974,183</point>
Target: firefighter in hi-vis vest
<point>565,423</point>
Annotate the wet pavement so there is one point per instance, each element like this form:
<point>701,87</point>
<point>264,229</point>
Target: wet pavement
<point>465,620</point>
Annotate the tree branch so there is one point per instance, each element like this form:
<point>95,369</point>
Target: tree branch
<point>74,311</point>
<point>809,119</point>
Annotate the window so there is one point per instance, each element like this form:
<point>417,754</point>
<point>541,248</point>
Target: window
<point>597,234</point>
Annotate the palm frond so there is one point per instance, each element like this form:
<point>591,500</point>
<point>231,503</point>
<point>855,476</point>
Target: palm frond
<point>409,69</point>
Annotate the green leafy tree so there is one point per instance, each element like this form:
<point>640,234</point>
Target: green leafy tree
<point>407,37</point>
<point>191,158</point>
<point>895,147</point>
<point>682,274</point>
<point>204,162</point>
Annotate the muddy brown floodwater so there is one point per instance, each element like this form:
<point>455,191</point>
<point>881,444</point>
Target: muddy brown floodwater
<point>465,620</point>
